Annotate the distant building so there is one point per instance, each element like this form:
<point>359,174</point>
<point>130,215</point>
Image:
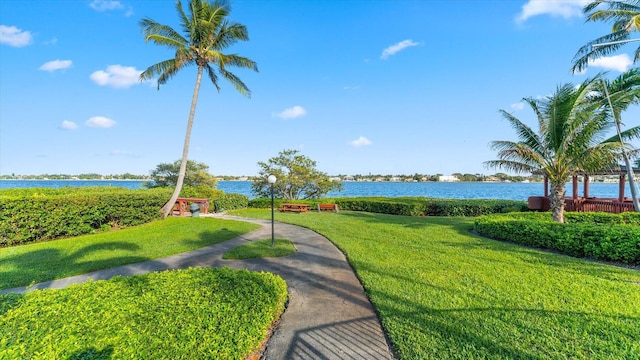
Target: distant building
<point>448,178</point>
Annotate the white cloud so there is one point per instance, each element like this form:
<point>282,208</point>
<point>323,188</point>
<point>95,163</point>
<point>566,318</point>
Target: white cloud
<point>54,65</point>
<point>348,87</point>
<point>397,47</point>
<point>53,41</point>
<point>13,36</point>
<point>620,62</point>
<point>100,122</point>
<point>106,5</point>
<point>557,8</point>
<point>361,141</point>
<point>292,112</point>
<point>117,76</point>
<point>68,125</point>
<point>517,106</point>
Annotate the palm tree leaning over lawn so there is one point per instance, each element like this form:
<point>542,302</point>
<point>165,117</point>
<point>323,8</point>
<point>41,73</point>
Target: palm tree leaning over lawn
<point>571,129</point>
<point>207,32</point>
<point>625,16</point>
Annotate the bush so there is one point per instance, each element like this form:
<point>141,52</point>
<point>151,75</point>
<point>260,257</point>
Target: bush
<point>201,192</point>
<point>182,314</point>
<point>45,214</point>
<point>602,236</point>
<point>416,206</point>
<point>230,202</point>
<point>408,206</point>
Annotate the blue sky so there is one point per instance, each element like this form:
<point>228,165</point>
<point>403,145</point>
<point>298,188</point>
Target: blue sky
<point>381,87</point>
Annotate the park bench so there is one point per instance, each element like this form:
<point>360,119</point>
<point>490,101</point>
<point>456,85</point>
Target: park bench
<point>181,206</point>
<point>299,208</point>
<point>328,207</point>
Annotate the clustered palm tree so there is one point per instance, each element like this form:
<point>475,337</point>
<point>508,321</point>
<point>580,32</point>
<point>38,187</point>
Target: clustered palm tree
<point>206,34</point>
<point>625,16</point>
<point>570,138</point>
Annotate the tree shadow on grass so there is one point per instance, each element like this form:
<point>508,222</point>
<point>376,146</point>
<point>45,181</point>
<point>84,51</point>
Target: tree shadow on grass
<point>210,237</point>
<point>92,353</point>
<point>484,327</point>
<point>49,264</point>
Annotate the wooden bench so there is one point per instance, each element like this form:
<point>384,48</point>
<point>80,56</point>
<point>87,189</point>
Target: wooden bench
<point>181,206</point>
<point>299,208</point>
<point>328,207</point>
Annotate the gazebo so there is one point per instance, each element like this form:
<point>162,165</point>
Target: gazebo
<point>587,202</point>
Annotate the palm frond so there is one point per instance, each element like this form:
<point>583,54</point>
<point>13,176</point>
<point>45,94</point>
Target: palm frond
<point>236,82</point>
<point>162,34</point>
<point>590,52</point>
<point>213,77</point>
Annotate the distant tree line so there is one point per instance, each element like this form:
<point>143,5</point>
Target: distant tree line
<point>90,176</point>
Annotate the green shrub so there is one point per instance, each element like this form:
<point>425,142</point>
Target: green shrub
<point>417,206</point>
<point>45,214</point>
<point>201,192</point>
<point>230,202</point>
<point>612,237</point>
<point>185,314</point>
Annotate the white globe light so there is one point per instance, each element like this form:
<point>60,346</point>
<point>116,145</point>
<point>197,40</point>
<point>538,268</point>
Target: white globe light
<point>271,179</point>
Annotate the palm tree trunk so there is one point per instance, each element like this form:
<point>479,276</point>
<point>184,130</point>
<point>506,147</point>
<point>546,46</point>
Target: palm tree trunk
<point>166,209</point>
<point>556,201</point>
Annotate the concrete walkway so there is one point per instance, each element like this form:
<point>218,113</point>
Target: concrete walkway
<point>328,316</point>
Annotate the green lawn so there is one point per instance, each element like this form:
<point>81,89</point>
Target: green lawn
<point>443,293</point>
<point>33,263</point>
<point>261,249</point>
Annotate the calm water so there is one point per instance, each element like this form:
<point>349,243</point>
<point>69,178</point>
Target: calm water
<point>463,190</point>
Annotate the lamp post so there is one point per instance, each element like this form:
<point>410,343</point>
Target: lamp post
<point>632,183</point>
<point>272,180</point>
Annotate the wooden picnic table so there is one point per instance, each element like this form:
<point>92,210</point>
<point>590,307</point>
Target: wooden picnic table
<point>299,208</point>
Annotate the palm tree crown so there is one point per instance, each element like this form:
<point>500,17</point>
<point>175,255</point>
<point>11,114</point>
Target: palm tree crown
<point>625,16</point>
<point>570,139</point>
<point>207,32</point>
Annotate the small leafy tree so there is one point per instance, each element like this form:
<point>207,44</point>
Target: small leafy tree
<point>197,174</point>
<point>297,178</point>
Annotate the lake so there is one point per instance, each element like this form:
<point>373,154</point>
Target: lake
<point>459,190</point>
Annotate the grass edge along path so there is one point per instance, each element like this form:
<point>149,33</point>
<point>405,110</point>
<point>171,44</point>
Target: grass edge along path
<point>196,313</point>
<point>33,263</point>
<point>444,293</point>
<point>261,249</point>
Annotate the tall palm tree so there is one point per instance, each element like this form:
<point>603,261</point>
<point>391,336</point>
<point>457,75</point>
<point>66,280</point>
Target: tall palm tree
<point>206,33</point>
<point>618,95</point>
<point>569,139</point>
<point>625,16</point>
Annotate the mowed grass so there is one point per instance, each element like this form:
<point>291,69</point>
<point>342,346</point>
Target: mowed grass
<point>261,249</point>
<point>444,293</point>
<point>27,264</point>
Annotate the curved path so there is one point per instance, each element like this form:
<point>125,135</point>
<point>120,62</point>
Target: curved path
<point>328,316</point>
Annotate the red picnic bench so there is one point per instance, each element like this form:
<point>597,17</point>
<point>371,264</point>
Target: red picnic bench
<point>328,207</point>
<point>299,208</point>
<point>182,206</point>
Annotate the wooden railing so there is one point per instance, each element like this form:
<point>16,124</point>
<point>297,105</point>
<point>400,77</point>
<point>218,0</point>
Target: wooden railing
<point>584,205</point>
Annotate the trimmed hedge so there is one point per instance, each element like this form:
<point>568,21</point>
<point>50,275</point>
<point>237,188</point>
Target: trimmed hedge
<point>409,206</point>
<point>602,236</point>
<point>40,214</point>
<point>230,202</point>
